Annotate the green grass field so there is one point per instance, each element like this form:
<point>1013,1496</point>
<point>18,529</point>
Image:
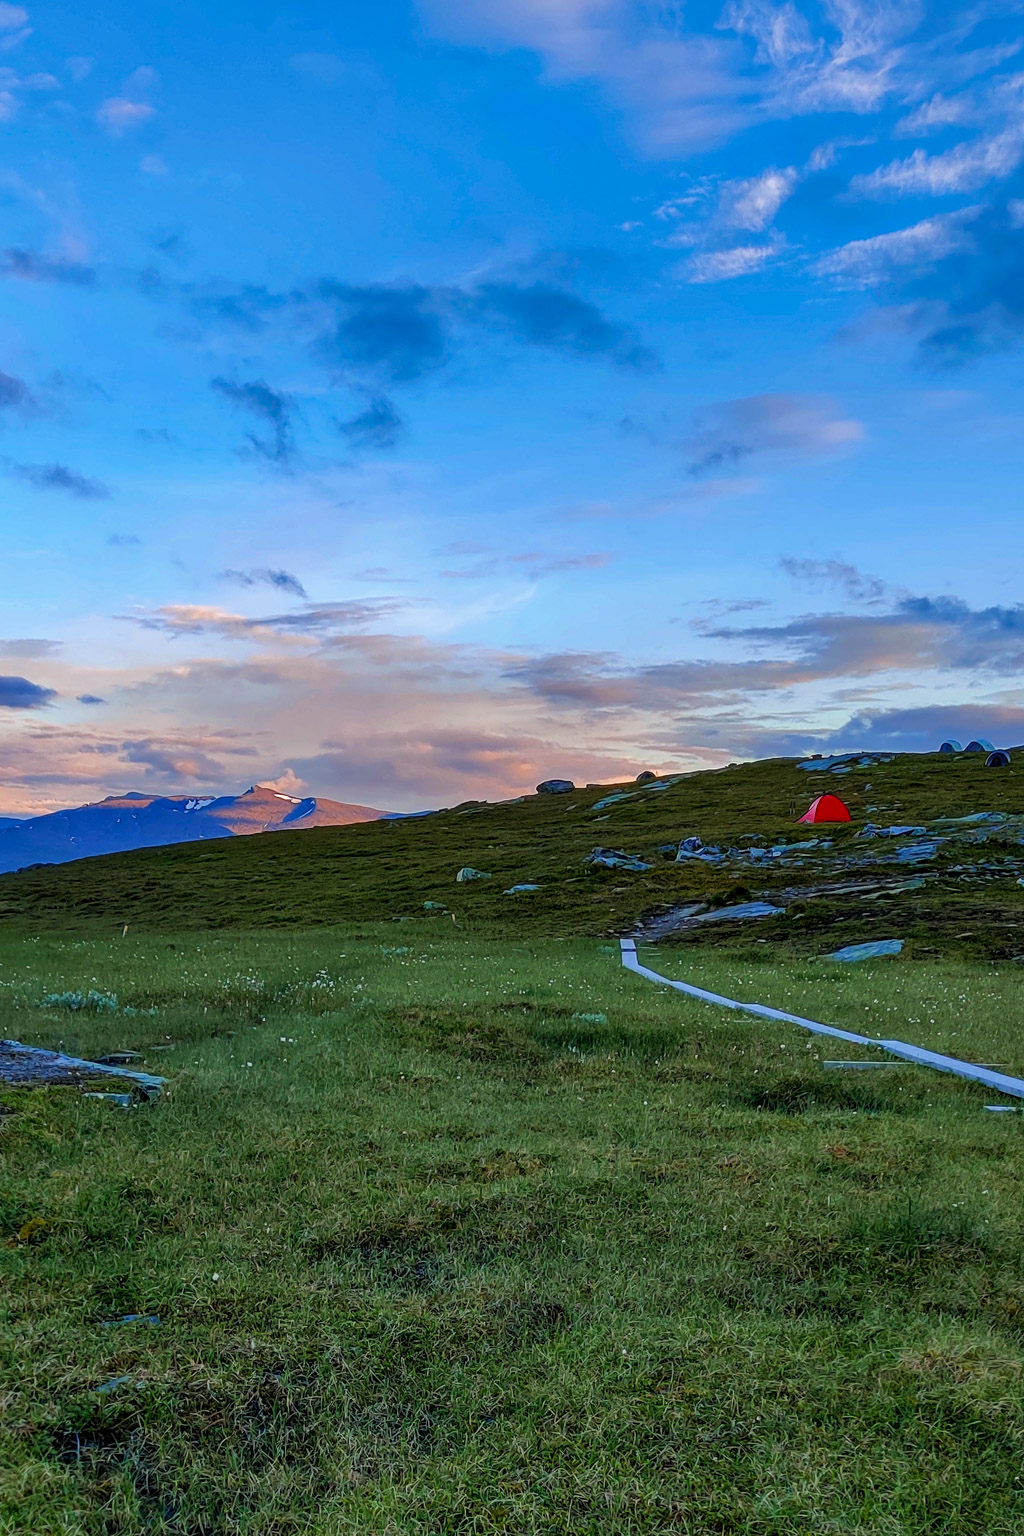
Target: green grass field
<point>451,1233</point>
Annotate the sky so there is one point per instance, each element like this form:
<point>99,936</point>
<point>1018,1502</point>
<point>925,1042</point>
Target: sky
<point>406,403</point>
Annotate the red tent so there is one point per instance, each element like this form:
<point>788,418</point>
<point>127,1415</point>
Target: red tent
<point>827,808</point>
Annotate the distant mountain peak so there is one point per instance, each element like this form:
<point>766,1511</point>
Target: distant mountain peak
<point>268,792</point>
<point>137,820</point>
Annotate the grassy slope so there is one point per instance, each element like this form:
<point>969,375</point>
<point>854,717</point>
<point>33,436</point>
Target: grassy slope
<point>453,1257</point>
<point>390,869</point>
<point>436,1252</point>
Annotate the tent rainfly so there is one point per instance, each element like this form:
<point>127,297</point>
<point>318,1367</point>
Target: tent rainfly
<point>950,746</point>
<point>827,808</point>
<point>980,744</point>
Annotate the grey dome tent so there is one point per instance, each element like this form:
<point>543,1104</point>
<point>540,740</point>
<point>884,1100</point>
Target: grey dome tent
<point>950,746</point>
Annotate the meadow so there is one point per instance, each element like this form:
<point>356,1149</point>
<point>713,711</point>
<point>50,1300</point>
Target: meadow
<point>437,1232</point>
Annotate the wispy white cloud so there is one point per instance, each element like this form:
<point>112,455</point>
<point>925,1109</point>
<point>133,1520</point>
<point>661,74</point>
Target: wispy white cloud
<point>14,27</point>
<point>753,203</point>
<point>965,168</point>
<point>852,65</point>
<point>860,263</point>
<point>782,35</point>
<point>936,113</point>
<point>676,88</point>
<point>16,87</point>
<point>997,100</point>
<point>749,205</point>
<point>39,80</point>
<point>719,266</point>
<point>697,194</point>
<point>680,86</point>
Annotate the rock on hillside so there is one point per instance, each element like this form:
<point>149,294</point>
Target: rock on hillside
<point>148,821</point>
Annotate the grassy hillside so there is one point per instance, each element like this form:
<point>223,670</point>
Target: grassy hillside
<point>452,1235</point>
<point>968,900</point>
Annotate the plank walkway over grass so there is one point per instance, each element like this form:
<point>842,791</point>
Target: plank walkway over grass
<point>915,1053</point>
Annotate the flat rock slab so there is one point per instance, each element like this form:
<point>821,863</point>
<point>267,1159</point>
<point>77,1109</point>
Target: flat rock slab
<point>29,1066</point>
<point>877,949</point>
<point>683,918</point>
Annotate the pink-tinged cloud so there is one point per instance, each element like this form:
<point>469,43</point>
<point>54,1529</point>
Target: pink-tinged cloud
<point>315,621</point>
<point>118,115</point>
<point>406,722</point>
<point>446,766</point>
<point>791,426</point>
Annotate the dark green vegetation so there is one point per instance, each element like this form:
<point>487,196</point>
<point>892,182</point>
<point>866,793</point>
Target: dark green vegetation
<point>969,902</point>
<point>450,1236</point>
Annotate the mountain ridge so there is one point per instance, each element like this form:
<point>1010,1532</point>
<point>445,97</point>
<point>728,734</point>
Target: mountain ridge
<point>120,823</point>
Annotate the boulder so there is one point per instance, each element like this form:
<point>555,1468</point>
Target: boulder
<point>614,858</point>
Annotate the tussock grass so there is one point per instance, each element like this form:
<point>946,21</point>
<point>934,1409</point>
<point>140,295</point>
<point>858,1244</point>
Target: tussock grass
<point>437,1249</point>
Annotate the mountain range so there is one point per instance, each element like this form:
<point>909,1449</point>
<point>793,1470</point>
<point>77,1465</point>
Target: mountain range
<point>128,821</point>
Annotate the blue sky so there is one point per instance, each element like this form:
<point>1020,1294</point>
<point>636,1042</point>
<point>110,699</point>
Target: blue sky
<point>405,403</point>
